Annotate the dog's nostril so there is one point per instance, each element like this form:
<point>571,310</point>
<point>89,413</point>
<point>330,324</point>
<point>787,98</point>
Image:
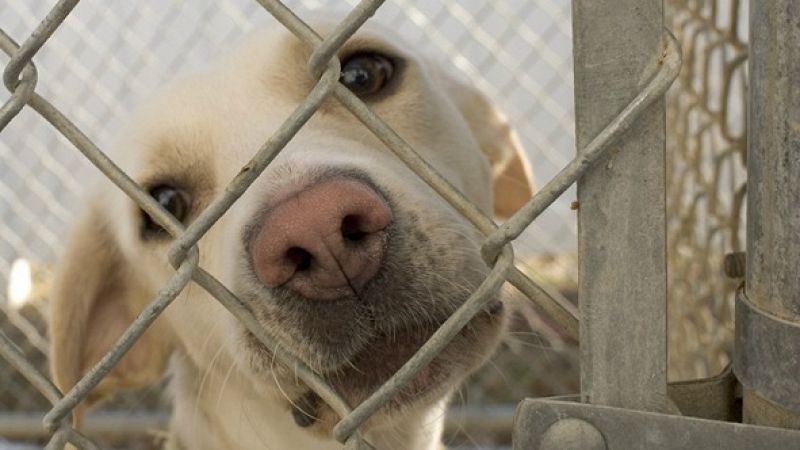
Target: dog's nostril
<point>352,229</point>
<point>300,258</point>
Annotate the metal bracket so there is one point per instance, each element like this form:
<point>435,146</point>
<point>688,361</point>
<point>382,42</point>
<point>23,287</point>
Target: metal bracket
<point>542,424</point>
<point>770,366</point>
<point>715,398</point>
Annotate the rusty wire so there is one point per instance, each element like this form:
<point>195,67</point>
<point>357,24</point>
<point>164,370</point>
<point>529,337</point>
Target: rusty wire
<point>20,78</point>
<point>706,158</point>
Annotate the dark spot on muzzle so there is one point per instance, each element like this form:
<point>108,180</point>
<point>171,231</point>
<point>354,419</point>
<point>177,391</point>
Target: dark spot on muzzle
<point>494,307</point>
<point>304,410</point>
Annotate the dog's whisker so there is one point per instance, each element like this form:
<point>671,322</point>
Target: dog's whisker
<point>225,383</point>
<point>210,332</point>
<point>257,429</point>
<point>305,409</point>
<point>204,379</point>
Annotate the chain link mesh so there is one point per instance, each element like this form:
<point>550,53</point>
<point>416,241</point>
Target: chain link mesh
<point>107,55</point>
<point>706,154</point>
<point>517,52</point>
<point>21,77</point>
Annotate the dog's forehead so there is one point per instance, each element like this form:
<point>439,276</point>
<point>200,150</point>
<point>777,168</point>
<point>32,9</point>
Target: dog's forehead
<point>280,59</point>
<point>278,43</point>
<point>241,98</point>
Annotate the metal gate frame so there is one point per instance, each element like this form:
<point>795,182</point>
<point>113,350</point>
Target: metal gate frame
<point>626,401</point>
<point>624,63</point>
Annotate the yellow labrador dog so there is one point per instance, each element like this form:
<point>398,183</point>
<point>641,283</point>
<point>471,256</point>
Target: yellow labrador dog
<point>338,248</point>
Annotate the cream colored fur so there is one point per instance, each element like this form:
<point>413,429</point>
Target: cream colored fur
<point>201,129</point>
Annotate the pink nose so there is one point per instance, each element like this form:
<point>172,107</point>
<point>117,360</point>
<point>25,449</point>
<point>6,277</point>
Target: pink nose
<point>325,241</point>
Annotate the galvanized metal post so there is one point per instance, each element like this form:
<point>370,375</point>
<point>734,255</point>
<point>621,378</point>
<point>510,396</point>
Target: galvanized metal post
<point>767,359</point>
<point>621,219</point>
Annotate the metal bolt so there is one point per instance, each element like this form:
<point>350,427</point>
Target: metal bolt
<point>572,434</point>
<point>735,265</point>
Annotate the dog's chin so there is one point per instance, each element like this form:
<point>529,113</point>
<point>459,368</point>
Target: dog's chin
<point>369,368</point>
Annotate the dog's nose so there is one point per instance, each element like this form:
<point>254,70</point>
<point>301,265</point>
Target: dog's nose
<point>325,241</point>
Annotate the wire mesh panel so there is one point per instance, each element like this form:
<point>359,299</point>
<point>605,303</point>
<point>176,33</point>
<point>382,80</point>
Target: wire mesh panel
<point>706,146</point>
<point>104,56</point>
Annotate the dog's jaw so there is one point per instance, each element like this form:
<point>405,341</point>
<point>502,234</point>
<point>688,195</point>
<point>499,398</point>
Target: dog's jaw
<point>216,410</point>
<point>369,369</point>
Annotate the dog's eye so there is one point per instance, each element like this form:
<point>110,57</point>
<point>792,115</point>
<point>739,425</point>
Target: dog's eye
<point>173,200</point>
<point>366,73</point>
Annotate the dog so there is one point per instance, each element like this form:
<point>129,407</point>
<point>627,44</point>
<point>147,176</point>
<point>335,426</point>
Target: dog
<point>338,248</point>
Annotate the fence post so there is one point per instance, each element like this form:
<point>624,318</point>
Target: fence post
<point>621,217</point>
<point>767,359</point>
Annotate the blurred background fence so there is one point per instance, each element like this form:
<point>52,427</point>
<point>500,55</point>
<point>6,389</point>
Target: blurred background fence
<point>110,54</point>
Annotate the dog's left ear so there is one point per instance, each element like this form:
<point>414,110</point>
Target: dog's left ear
<point>512,174</point>
<point>95,297</point>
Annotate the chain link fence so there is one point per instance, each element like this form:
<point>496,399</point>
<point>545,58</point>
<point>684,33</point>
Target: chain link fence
<point>706,157</point>
<point>107,55</point>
